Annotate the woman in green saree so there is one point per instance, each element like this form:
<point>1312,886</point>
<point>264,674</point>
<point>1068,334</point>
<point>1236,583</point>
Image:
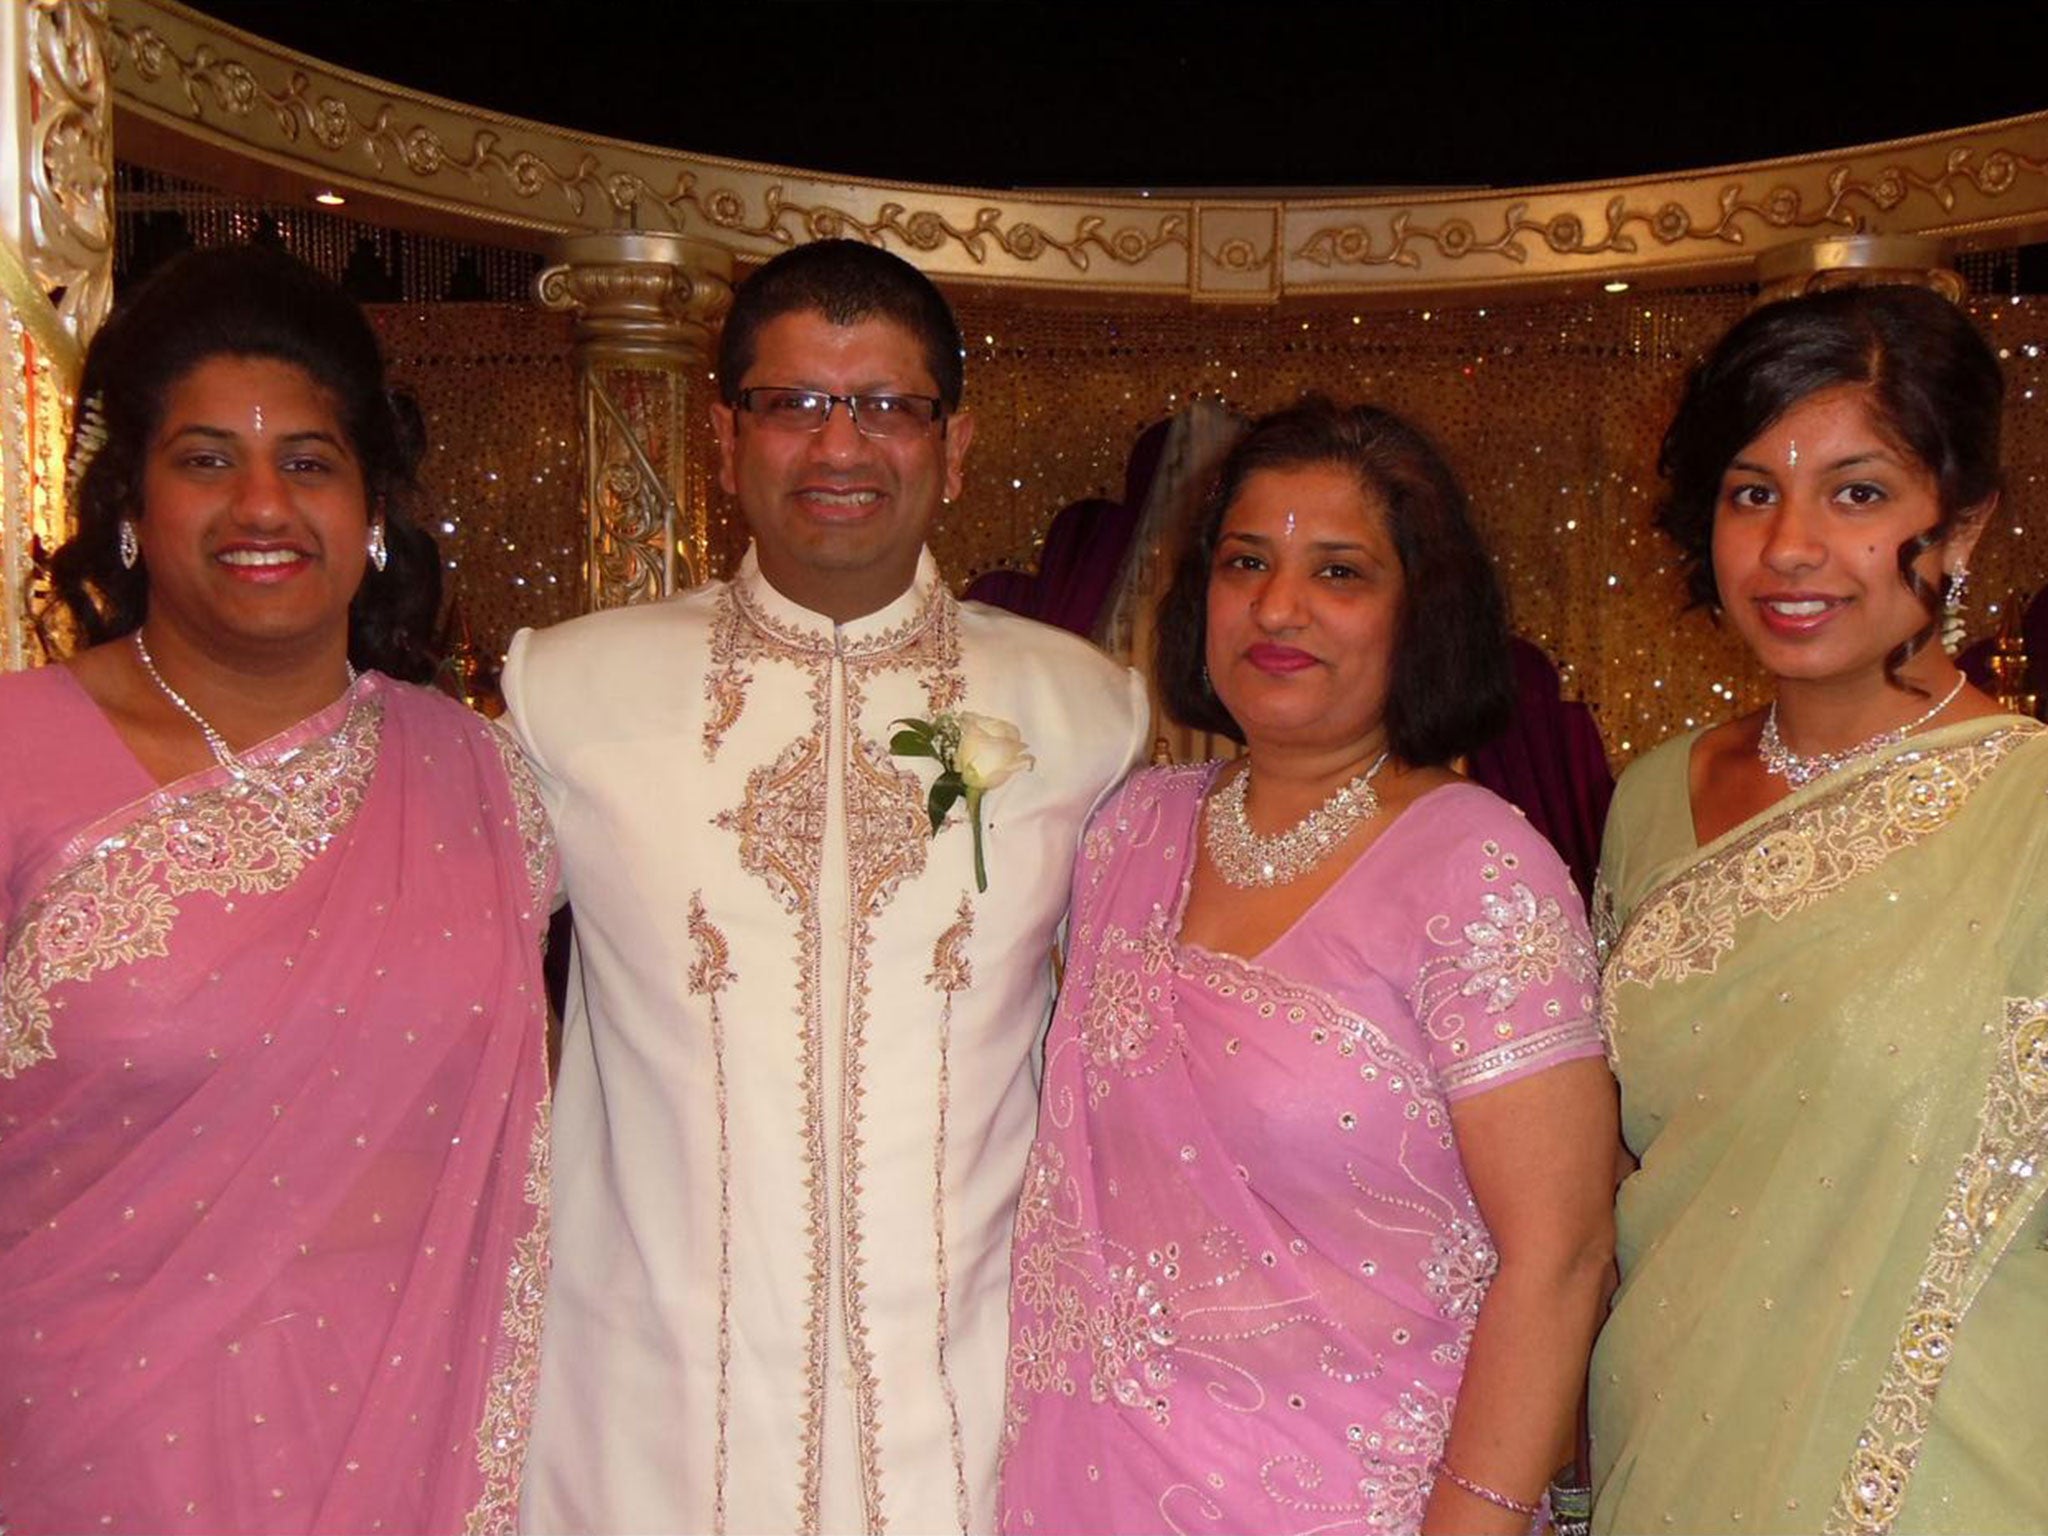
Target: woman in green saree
<point>1826,993</point>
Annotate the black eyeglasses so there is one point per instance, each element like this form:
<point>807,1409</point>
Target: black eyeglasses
<point>807,410</point>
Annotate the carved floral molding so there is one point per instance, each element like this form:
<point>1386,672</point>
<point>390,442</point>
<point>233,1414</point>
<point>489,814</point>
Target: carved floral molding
<point>219,91</point>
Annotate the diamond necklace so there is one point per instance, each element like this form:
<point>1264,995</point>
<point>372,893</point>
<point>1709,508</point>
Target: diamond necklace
<point>1799,771</point>
<point>215,742</point>
<point>1244,858</point>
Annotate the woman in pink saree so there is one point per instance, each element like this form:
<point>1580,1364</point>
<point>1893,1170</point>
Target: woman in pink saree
<point>1315,1228</point>
<point>272,1062</point>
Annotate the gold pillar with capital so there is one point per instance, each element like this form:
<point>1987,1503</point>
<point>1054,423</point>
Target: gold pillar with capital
<point>1854,261</point>
<point>56,276</point>
<point>646,304</point>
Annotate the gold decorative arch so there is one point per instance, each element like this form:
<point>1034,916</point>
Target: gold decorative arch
<point>277,122</point>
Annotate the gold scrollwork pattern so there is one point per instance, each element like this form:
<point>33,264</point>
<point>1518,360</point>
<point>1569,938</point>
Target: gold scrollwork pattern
<point>179,67</point>
<point>188,74</point>
<point>631,510</point>
<point>56,281</point>
<point>1842,201</point>
<point>70,227</point>
<point>1995,1188</point>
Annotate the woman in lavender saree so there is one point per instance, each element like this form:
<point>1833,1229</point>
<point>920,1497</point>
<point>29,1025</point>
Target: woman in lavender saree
<point>272,1073</point>
<point>1828,996</point>
<point>1314,1231</point>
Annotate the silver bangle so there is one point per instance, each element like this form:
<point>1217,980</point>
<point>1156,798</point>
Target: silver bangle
<point>1498,1500</point>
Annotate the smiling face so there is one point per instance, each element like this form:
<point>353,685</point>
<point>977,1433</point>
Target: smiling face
<point>1807,530</point>
<point>838,519</point>
<point>254,517</point>
<point>1303,603</point>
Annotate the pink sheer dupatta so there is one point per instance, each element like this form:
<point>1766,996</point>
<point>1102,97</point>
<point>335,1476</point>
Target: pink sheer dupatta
<point>272,1156</point>
<point>1247,1261</point>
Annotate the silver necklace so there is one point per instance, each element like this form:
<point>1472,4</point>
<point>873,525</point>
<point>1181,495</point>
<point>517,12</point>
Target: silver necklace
<point>1244,858</point>
<point>1799,771</point>
<point>215,742</point>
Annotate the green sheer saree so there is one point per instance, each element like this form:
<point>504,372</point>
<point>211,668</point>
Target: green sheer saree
<point>1831,1031</point>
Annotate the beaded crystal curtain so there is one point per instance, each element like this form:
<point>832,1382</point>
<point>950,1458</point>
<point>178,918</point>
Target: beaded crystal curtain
<point>1551,412</point>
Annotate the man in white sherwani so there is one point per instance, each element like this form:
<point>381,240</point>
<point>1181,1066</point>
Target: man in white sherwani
<point>796,1089</point>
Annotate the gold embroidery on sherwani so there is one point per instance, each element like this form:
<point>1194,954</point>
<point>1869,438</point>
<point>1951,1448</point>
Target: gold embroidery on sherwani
<point>951,974</point>
<point>1996,1187</point>
<point>508,1401</point>
<point>781,828</point>
<point>742,632</point>
<point>733,641</point>
<point>115,905</point>
<point>780,823</point>
<point>710,975</point>
<point>1683,927</point>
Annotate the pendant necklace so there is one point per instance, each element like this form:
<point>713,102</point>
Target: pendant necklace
<point>215,742</point>
<point>1799,771</point>
<point>1244,858</point>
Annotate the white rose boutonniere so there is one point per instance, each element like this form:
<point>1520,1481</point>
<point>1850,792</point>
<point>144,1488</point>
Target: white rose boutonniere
<point>975,754</point>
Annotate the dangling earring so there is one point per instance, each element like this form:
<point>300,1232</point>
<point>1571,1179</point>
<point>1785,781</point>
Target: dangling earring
<point>131,546</point>
<point>1953,587</point>
<point>380,556</point>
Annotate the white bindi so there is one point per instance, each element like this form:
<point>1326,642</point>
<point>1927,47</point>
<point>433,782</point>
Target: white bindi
<point>1288,531</point>
<point>258,412</point>
<point>1792,456</point>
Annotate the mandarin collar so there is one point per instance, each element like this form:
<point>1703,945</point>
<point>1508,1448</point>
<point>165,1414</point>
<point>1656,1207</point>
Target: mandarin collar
<point>798,626</point>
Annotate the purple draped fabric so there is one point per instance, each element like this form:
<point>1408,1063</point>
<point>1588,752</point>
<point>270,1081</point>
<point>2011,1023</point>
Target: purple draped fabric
<point>1084,551</point>
<point>1083,555</point>
<point>1552,764</point>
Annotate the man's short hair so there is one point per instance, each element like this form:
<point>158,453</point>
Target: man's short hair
<point>847,281</point>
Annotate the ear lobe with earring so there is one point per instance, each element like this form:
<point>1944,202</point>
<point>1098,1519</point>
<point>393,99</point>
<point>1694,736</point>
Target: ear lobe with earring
<point>379,552</point>
<point>130,545</point>
<point>1953,585</point>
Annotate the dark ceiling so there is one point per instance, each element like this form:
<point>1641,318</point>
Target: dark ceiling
<point>1196,95</point>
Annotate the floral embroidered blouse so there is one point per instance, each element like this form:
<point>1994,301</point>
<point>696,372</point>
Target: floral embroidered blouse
<point>1247,1261</point>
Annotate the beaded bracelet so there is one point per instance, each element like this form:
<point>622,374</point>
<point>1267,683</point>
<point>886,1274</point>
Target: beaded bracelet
<point>1499,1500</point>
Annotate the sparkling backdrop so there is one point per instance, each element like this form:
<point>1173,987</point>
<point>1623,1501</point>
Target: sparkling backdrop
<point>1550,411</point>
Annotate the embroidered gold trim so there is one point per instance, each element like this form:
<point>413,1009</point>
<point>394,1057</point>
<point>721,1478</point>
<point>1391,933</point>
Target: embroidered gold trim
<point>116,904</point>
<point>709,976</point>
<point>742,631</point>
<point>727,680</point>
<point>952,973</point>
<point>1683,927</point>
<point>536,834</point>
<point>780,823</point>
<point>508,1401</point>
<point>1995,1189</point>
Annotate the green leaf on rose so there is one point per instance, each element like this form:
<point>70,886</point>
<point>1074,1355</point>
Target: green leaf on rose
<point>912,744</point>
<point>946,790</point>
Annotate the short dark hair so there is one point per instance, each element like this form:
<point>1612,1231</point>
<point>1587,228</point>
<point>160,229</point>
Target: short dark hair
<point>1934,389</point>
<point>248,301</point>
<point>1451,685</point>
<point>847,281</point>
